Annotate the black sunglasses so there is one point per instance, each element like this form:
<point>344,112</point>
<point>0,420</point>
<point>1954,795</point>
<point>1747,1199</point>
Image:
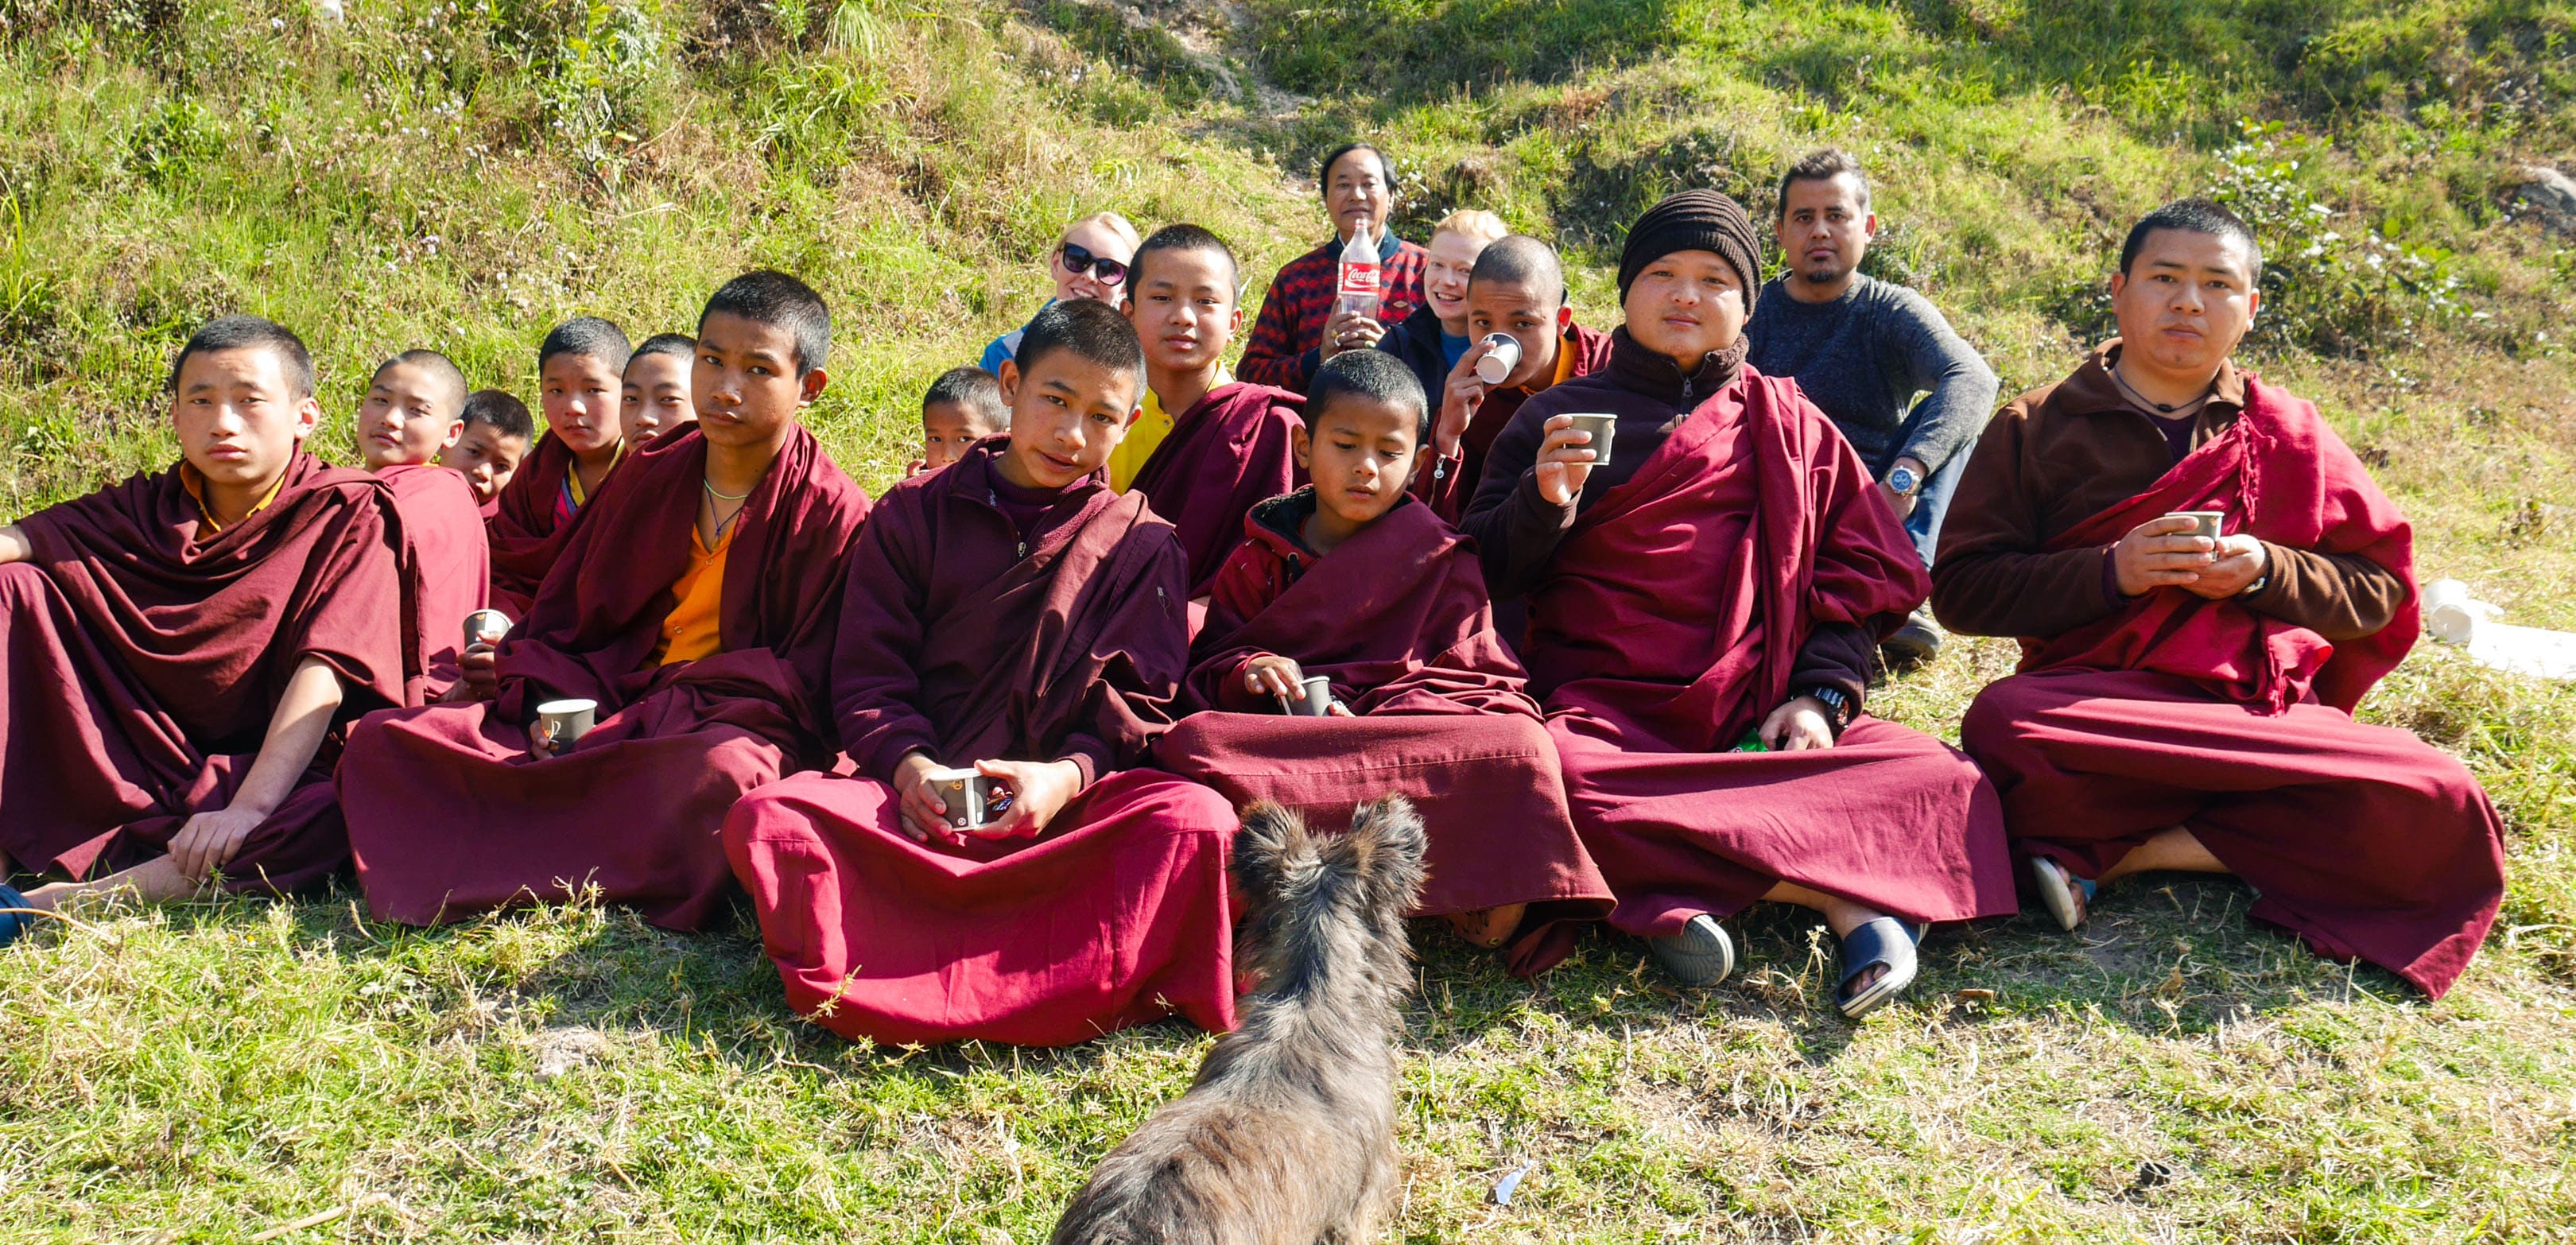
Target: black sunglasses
<point>1077,258</point>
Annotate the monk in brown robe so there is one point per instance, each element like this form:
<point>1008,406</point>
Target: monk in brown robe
<point>1206,448</point>
<point>1354,581</point>
<point>1516,289</point>
<point>1012,616</point>
<point>1703,608</point>
<point>690,618</point>
<point>581,369</point>
<point>179,647</point>
<point>414,412</point>
<point>2185,702</point>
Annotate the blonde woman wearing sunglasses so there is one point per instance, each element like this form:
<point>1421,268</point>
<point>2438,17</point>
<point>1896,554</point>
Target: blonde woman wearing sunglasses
<point>1089,260</point>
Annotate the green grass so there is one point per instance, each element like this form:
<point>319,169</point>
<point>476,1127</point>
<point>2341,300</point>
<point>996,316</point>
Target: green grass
<point>464,174</point>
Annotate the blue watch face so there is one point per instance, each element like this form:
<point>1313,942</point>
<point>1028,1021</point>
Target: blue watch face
<point>1902,480</point>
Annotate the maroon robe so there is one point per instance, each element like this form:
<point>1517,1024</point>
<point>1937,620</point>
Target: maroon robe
<point>1666,628</point>
<point>1398,619</point>
<point>1226,454</point>
<point>143,665</point>
<point>450,561</point>
<point>2177,710</point>
<point>967,637</point>
<point>528,526</point>
<point>1448,484</point>
<point>449,816</point>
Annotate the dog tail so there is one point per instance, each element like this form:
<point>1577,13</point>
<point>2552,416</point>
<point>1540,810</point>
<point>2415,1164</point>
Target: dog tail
<point>1313,896</point>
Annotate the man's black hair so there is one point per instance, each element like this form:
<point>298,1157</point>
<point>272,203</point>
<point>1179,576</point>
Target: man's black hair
<point>506,414</point>
<point>1375,375</point>
<point>1091,330</point>
<point>780,301</point>
<point>2192,216</point>
<point>972,390</point>
<point>439,366</point>
<point>250,333</point>
<point>1181,238</point>
<point>1823,165</point>
<point>591,338</point>
<point>680,344</point>
<point>1518,259</point>
<point>1324,171</point>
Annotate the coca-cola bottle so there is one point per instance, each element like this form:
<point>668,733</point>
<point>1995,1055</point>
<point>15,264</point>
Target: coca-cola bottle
<point>1359,276</point>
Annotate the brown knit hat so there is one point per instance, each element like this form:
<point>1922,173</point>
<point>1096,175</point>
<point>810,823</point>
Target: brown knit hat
<point>1694,220</point>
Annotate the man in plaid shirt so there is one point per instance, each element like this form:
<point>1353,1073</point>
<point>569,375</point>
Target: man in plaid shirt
<point>1300,325</point>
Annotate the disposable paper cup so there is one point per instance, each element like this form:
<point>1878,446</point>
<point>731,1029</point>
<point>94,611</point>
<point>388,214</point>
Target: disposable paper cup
<point>486,627</point>
<point>2205,521</point>
<point>1318,698</point>
<point>1602,428</point>
<point>972,797</point>
<point>562,723</point>
<point>1496,366</point>
<point>2448,616</point>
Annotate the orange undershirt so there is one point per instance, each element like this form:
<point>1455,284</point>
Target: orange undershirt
<point>695,626</point>
<point>194,481</point>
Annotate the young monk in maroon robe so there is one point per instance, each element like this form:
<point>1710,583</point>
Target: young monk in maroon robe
<point>178,647</point>
<point>695,605</point>
<point>1354,580</point>
<point>1208,447</point>
<point>488,452</point>
<point>1516,289</point>
<point>1011,614</point>
<point>2186,703</point>
<point>413,412</point>
<point>1703,607</point>
<point>580,373</point>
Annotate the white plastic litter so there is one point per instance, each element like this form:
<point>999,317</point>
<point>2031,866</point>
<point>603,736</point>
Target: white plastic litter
<point>2453,617</point>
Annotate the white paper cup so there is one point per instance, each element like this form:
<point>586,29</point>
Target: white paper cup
<point>1318,698</point>
<point>562,723</point>
<point>1497,364</point>
<point>486,627</point>
<point>1603,428</point>
<point>973,798</point>
<point>2449,615</point>
<point>2204,522</point>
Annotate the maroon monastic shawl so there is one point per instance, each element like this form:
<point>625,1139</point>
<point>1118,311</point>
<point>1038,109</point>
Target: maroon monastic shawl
<point>1226,454</point>
<point>2281,475</point>
<point>449,560</point>
<point>1609,633</point>
<point>1080,637</point>
<point>143,664</point>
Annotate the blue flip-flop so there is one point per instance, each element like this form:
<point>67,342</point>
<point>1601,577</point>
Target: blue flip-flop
<point>1885,941</point>
<point>12,924</point>
<point>2058,889</point>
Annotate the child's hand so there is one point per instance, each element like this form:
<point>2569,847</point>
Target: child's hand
<point>919,812</point>
<point>914,468</point>
<point>1273,675</point>
<point>481,675</point>
<point>1564,460</point>
<point>1039,791</point>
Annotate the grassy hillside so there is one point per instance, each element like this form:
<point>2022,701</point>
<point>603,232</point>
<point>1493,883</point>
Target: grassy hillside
<point>463,174</point>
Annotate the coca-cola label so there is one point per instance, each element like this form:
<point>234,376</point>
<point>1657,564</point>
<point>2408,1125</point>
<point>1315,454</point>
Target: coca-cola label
<point>1358,279</point>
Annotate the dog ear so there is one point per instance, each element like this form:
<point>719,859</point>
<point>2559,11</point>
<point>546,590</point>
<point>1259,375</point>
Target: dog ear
<point>1271,844</point>
<point>1383,852</point>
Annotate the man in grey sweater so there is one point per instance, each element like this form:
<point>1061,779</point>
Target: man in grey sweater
<point>1863,349</point>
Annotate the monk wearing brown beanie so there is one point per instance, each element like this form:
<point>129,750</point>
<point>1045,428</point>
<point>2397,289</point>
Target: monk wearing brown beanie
<point>1703,604</point>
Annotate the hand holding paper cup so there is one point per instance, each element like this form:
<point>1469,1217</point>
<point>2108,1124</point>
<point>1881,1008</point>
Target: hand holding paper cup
<point>487,627</point>
<point>2204,523</point>
<point>974,799</point>
<point>560,724</point>
<point>1602,428</point>
<point>1502,354</point>
<point>1317,698</point>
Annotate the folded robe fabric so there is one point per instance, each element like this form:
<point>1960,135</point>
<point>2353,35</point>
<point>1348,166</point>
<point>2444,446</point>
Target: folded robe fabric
<point>449,559</point>
<point>143,664</point>
<point>449,816</point>
<point>526,539</point>
<point>1227,453</point>
<point>1665,630</point>
<point>1397,617</point>
<point>969,639</point>
<point>2178,710</point>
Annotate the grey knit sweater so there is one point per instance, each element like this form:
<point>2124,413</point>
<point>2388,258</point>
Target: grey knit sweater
<point>1863,357</point>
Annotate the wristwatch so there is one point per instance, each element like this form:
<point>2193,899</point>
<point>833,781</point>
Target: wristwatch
<point>1902,481</point>
<point>1837,705</point>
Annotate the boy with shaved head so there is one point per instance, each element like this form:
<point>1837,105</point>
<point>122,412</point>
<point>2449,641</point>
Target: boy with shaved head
<point>1352,580</point>
<point>1207,447</point>
<point>414,412</point>
<point>1517,289</point>
<point>581,369</point>
<point>2185,703</point>
<point>179,647</point>
<point>690,617</point>
<point>1010,615</point>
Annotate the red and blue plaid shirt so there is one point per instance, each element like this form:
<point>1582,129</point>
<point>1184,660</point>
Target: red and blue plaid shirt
<point>1283,350</point>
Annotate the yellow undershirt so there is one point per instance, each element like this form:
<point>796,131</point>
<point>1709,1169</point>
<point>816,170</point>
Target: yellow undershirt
<point>694,628</point>
<point>1146,435</point>
<point>194,481</point>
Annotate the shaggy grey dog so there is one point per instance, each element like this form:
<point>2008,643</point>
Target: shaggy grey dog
<point>1288,1135</point>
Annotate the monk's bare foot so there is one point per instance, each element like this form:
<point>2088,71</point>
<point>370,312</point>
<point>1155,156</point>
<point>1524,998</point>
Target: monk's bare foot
<point>1489,927</point>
